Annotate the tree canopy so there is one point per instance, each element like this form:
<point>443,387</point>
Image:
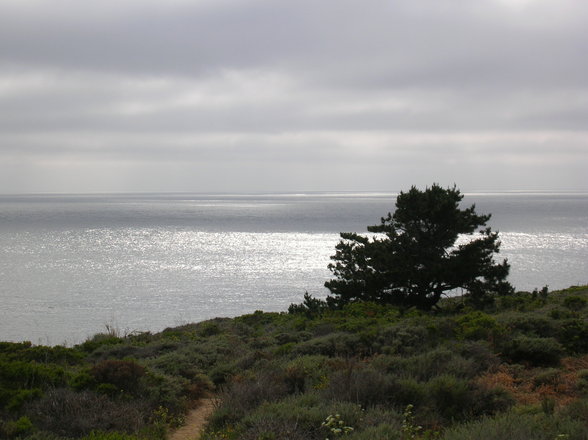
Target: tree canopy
<point>428,247</point>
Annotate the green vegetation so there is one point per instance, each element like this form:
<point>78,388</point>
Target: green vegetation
<point>516,369</point>
<point>415,258</point>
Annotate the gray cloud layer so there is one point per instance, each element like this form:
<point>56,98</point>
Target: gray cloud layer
<point>229,95</point>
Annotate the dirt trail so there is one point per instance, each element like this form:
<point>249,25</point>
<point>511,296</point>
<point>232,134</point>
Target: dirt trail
<point>195,421</point>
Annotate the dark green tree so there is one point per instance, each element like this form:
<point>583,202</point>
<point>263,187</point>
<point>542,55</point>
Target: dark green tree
<point>427,248</point>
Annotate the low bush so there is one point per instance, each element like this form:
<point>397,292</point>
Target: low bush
<point>22,381</point>
<point>98,340</point>
<point>364,386</point>
<point>112,435</point>
<point>24,374</point>
<point>549,376</point>
<point>574,335</point>
<point>25,351</point>
<point>530,325</point>
<point>310,307</point>
<point>575,302</point>
<point>243,394</point>
<point>124,375</point>
<point>16,428</point>
<point>450,396</point>
<point>404,338</point>
<point>333,344</point>
<point>533,351</point>
<point>427,365</point>
<point>480,354</point>
<point>13,399</point>
<point>71,414</point>
<point>515,426</point>
<point>166,391</point>
<point>383,432</point>
<point>307,413</point>
<point>478,325</point>
<point>307,372</point>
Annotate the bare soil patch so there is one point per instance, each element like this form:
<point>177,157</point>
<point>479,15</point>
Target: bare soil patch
<point>195,421</point>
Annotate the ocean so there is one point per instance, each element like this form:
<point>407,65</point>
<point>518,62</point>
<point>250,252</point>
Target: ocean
<point>71,265</point>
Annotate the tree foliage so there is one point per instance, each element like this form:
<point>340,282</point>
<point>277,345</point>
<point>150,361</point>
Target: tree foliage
<point>427,248</point>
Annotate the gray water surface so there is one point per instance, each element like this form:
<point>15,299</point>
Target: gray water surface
<point>71,264</point>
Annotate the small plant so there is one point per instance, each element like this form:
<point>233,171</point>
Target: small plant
<point>337,426</point>
<point>410,430</point>
<point>162,417</point>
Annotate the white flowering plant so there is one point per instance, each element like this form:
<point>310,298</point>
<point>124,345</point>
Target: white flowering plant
<point>336,425</point>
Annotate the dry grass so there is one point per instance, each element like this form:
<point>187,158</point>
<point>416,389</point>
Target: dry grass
<point>522,387</point>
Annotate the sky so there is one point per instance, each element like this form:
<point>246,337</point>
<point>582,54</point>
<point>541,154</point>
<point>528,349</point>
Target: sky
<point>292,95</point>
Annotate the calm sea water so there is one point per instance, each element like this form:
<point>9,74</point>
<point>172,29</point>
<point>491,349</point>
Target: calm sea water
<point>70,265</point>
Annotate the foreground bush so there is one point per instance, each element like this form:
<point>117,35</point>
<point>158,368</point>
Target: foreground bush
<point>74,414</point>
<point>514,426</point>
<point>515,370</point>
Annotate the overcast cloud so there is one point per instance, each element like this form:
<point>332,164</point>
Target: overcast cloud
<point>280,95</point>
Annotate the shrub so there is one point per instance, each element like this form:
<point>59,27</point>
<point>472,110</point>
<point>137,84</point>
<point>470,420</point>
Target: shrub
<point>21,381</point>
<point>428,365</point>
<point>480,355</point>
<point>308,371</point>
<point>489,401</point>
<point>514,426</point>
<point>25,351</point>
<point>477,325</point>
<point>382,431</point>
<point>409,392</point>
<point>311,307</point>
<point>99,435</point>
<point>14,428</point>
<point>577,410</point>
<point>366,387</point>
<point>222,372</point>
<point>243,395</point>
<point>67,413</point>
<point>269,428</point>
<point>574,335</point>
<point>98,340</point>
<point>23,374</point>
<point>450,396</point>
<point>575,302</point>
<point>163,390</point>
<point>124,375</point>
<point>558,313</point>
<point>334,344</point>
<point>292,337</point>
<point>208,328</point>
<point>14,399</point>
<point>530,325</point>
<point>404,338</point>
<point>549,376</point>
<point>302,414</point>
<point>43,435</point>
<point>582,384</point>
<point>533,351</point>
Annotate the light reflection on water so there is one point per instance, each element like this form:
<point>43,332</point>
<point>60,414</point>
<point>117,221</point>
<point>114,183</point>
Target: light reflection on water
<point>150,279</point>
<point>69,266</point>
<point>147,279</point>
